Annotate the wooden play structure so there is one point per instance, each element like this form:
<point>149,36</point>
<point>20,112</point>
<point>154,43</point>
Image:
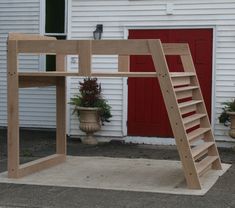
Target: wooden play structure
<point>189,119</point>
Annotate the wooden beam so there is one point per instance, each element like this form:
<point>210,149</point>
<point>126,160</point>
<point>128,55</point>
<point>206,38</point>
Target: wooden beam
<point>39,81</point>
<point>124,74</point>
<point>175,48</point>
<point>123,63</point>
<point>12,109</point>
<point>40,164</point>
<point>61,140</point>
<point>48,46</point>
<point>115,47</point>
<point>60,62</point>
<point>85,57</point>
<point>47,74</point>
<point>22,36</point>
<point>94,74</point>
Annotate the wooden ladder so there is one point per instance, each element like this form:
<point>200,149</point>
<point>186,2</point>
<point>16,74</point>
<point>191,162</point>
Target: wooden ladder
<point>187,114</point>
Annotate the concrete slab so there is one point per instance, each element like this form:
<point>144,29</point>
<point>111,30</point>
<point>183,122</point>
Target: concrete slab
<point>143,175</point>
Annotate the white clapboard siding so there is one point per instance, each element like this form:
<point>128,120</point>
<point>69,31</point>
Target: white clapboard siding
<point>111,90</point>
<point>118,15</point>
<point>37,106</point>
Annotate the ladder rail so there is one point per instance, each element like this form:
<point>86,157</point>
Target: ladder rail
<point>169,97</point>
<point>188,64</point>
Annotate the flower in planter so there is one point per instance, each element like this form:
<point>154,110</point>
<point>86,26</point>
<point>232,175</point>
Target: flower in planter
<point>90,96</point>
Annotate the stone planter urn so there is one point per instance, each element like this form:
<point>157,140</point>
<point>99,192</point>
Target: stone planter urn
<point>232,126</point>
<point>89,123</point>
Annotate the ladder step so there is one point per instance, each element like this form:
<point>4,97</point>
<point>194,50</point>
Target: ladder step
<point>193,117</point>
<point>189,103</point>
<point>180,89</point>
<point>182,74</point>
<point>201,149</point>
<point>197,133</point>
<point>204,164</point>
<point>193,120</point>
<point>185,92</point>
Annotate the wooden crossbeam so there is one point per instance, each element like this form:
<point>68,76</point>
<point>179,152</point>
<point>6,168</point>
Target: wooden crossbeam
<point>122,47</point>
<point>41,81</point>
<point>21,36</point>
<point>52,75</point>
<point>40,164</point>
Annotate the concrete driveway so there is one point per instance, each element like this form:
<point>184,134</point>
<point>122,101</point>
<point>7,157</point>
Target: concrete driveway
<point>34,145</point>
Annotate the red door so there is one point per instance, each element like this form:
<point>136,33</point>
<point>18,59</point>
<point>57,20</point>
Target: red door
<point>147,114</point>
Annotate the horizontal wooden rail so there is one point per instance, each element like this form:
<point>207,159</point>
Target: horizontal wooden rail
<point>30,81</point>
<point>116,47</point>
<point>124,74</point>
<point>21,36</point>
<point>40,164</point>
<point>25,77</point>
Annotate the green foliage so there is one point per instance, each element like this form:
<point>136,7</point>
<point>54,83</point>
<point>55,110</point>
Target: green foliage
<point>228,107</point>
<point>90,96</point>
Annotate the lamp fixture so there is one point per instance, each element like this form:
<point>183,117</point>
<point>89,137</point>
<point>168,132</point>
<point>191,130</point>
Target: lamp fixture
<point>97,34</point>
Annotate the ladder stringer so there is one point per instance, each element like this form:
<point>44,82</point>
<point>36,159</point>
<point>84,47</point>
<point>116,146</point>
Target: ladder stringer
<point>188,66</point>
<point>174,114</point>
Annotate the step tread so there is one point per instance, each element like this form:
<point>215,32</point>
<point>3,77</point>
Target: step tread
<point>182,74</point>
<point>205,163</point>
<point>188,103</point>
<point>180,89</point>
<point>193,117</point>
<point>197,132</point>
<point>200,148</point>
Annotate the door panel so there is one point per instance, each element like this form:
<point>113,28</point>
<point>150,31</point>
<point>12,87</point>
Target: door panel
<point>147,114</point>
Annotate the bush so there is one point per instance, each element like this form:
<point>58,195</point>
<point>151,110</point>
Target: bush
<point>228,107</point>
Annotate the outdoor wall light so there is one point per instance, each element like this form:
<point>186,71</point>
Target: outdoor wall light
<point>98,32</point>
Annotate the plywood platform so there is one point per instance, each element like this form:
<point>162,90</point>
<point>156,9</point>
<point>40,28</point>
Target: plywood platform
<point>143,175</point>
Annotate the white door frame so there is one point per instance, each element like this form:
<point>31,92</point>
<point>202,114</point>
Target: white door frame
<point>159,140</point>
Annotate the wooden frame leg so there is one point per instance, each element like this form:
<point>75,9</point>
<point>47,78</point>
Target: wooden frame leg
<point>13,114</point>
<point>61,143</point>
<point>61,140</point>
<point>15,170</point>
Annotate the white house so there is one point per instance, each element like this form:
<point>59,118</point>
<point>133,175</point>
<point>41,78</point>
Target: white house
<point>208,26</point>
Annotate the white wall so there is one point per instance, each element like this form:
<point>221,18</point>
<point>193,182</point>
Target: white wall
<point>116,16</point>
<point>37,106</point>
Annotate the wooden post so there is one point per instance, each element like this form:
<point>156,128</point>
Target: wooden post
<point>123,63</point>
<point>85,53</point>
<point>13,111</point>
<point>61,140</point>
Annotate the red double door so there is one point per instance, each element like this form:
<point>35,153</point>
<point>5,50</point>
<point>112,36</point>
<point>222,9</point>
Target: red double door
<point>147,114</point>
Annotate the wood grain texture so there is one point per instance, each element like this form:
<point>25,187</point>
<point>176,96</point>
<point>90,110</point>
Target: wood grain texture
<point>13,110</point>
<point>39,81</point>
<point>22,36</point>
<point>40,164</point>
<point>123,63</point>
<point>85,56</point>
<point>61,140</point>
<point>174,113</point>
